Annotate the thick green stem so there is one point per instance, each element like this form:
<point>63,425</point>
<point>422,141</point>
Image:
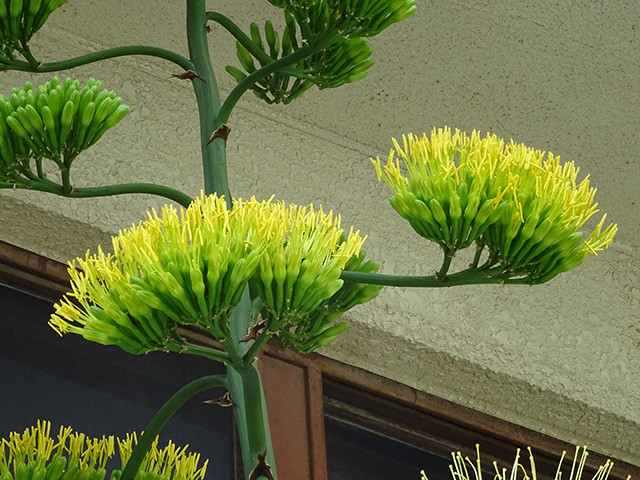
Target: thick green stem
<point>244,383</point>
<point>208,98</point>
<point>249,407</point>
<point>163,415</point>
<point>176,58</point>
<point>246,392</point>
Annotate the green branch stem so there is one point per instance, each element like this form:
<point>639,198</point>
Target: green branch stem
<point>108,53</point>
<point>26,52</point>
<point>231,350</point>
<point>32,182</point>
<point>126,188</point>
<point>446,263</point>
<point>477,255</point>
<point>45,185</point>
<point>162,417</point>
<point>470,276</point>
<point>206,352</point>
<point>65,175</point>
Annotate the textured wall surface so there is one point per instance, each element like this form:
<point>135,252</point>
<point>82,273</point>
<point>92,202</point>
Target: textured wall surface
<point>562,358</point>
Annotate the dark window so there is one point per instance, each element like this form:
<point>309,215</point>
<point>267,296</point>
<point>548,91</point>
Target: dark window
<point>101,390</point>
<point>354,453</point>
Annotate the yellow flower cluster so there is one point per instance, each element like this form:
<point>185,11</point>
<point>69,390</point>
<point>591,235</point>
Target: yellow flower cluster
<point>465,469</point>
<point>35,455</point>
<point>170,462</point>
<point>527,209</point>
<point>303,258</point>
<point>299,276</point>
<point>317,328</point>
<point>191,267</point>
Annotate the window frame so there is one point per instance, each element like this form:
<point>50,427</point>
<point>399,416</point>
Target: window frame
<point>301,389</point>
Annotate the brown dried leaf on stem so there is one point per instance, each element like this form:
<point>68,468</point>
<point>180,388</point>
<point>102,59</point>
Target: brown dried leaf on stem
<point>262,469</point>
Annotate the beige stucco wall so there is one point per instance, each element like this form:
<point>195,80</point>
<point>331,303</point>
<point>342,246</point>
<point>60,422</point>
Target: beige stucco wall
<point>562,358</point>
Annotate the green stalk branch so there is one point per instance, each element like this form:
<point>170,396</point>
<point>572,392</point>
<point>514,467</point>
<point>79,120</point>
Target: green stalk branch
<point>470,276</point>
<point>247,43</point>
<point>45,185</point>
<point>205,352</point>
<point>26,52</point>
<point>163,415</point>
<point>174,57</point>
<point>66,180</point>
<point>231,350</point>
<point>446,263</point>
<point>239,90</point>
<point>477,255</point>
<point>125,188</point>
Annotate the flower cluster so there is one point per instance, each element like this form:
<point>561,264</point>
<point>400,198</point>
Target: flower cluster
<point>357,18</point>
<point>19,21</point>
<point>192,266</point>
<point>339,26</point>
<point>465,469</point>
<point>55,121</point>
<point>299,275</point>
<point>526,208</point>
<point>34,454</point>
